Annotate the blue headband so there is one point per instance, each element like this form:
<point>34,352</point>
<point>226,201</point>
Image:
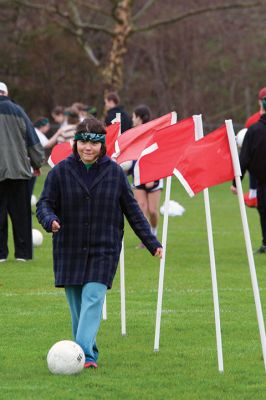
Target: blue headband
<point>90,136</point>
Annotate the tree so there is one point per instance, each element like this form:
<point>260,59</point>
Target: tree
<point>119,20</point>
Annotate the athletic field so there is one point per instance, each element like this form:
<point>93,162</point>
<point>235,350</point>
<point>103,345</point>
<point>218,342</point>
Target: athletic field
<point>34,315</point>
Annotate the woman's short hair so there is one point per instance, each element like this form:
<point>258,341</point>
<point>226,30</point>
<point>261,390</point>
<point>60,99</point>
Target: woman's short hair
<point>112,96</point>
<point>143,112</point>
<point>93,125</point>
<point>58,110</point>
<point>72,115</point>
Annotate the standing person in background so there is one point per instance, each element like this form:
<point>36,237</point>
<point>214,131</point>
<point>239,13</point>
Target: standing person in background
<point>147,195</point>
<point>58,121</point>
<point>67,132</point>
<point>251,197</point>
<point>252,158</point>
<point>81,108</point>
<point>84,200</point>
<point>59,117</point>
<point>84,110</point>
<point>112,107</point>
<point>20,149</point>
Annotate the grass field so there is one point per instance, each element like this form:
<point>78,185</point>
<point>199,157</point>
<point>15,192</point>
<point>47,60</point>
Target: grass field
<point>34,315</point>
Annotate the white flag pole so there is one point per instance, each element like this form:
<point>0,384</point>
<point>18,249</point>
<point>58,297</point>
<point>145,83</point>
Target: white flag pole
<point>122,290</point>
<point>122,269</point>
<point>104,309</point>
<point>198,135</point>
<point>162,262</point>
<point>252,268</point>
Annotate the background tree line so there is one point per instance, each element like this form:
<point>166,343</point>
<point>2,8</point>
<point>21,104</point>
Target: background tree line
<point>191,56</point>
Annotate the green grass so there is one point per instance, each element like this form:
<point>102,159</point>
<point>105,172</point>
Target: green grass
<point>34,315</point>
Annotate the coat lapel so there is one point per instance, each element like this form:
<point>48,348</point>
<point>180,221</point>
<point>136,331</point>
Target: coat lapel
<point>99,177</point>
<point>79,180</point>
<point>74,171</point>
<point>72,167</point>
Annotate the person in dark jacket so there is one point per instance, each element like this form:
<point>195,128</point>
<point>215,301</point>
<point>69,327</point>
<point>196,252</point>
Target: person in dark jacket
<point>250,197</point>
<point>113,107</point>
<point>20,152</point>
<point>252,158</point>
<point>84,200</point>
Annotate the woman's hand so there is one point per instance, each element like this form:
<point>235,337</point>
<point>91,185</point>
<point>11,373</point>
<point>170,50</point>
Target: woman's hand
<point>55,226</point>
<point>159,252</point>
<point>233,189</point>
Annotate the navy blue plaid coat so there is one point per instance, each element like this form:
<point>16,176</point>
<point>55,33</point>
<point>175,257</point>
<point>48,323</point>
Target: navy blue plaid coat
<point>91,215</point>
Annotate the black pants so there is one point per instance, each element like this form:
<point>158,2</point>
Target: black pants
<point>252,182</point>
<point>15,202</point>
<point>261,197</point>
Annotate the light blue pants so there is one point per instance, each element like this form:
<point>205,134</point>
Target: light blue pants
<point>86,303</point>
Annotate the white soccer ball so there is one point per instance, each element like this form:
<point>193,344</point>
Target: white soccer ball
<point>33,200</point>
<point>126,165</point>
<point>65,358</point>
<point>240,137</point>
<point>37,238</point>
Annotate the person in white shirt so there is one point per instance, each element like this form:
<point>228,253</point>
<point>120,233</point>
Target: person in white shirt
<point>42,126</point>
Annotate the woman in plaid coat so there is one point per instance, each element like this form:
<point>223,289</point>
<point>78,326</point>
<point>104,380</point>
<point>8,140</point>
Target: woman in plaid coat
<point>83,203</point>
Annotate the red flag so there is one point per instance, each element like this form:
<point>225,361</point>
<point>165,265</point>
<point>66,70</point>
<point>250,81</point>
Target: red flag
<point>112,132</point>
<point>205,163</point>
<point>60,152</point>
<point>252,119</point>
<point>133,141</point>
<point>158,160</point>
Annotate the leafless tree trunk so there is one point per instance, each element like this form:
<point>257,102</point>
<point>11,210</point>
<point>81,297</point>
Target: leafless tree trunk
<point>113,71</point>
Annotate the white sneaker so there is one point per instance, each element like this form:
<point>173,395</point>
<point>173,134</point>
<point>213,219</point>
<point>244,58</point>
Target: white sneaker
<point>2,259</point>
<point>21,259</point>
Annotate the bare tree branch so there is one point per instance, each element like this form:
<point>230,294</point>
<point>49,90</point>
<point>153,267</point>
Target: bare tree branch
<point>96,28</point>
<point>37,6</point>
<point>88,51</point>
<point>56,10</point>
<point>78,33</point>
<point>95,8</point>
<point>142,11</point>
<point>198,11</point>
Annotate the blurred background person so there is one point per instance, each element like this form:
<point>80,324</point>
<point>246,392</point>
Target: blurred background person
<point>67,132</point>
<point>84,110</point>
<point>112,107</point>
<point>81,109</point>
<point>147,195</point>
<point>20,149</point>
<point>251,196</point>
<point>252,158</point>
<point>59,117</point>
<point>42,127</point>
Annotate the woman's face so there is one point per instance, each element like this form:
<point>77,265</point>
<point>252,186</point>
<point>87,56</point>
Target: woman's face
<point>136,120</point>
<point>88,151</point>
